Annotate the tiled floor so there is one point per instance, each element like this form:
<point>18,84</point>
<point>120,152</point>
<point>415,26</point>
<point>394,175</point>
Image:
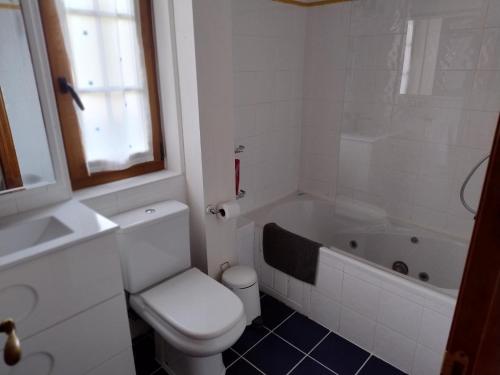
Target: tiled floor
<point>287,343</point>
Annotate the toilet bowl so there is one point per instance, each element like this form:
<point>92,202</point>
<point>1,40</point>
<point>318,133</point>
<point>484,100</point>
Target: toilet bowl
<point>195,318</point>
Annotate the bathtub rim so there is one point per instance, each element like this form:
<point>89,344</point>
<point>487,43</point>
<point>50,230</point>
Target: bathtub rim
<point>260,215</point>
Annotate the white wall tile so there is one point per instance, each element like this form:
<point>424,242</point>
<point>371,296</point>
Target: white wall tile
<point>329,282</point>
<point>357,328</point>
<point>280,282</point>
<point>325,311</point>
<point>427,362</point>
<point>360,296</point>
<point>434,331</point>
<point>400,314</point>
<point>394,348</point>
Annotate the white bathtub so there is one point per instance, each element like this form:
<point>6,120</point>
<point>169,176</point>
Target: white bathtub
<point>399,318</point>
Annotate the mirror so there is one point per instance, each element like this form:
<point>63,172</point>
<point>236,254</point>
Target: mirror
<point>25,160</point>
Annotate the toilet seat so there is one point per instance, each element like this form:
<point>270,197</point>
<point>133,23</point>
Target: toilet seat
<point>194,313</point>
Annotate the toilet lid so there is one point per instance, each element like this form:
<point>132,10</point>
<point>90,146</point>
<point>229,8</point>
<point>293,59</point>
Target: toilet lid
<point>195,304</point>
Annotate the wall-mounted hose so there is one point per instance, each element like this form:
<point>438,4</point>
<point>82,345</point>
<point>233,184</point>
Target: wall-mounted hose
<point>466,181</point>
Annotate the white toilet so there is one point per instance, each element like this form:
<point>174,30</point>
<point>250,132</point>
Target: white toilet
<point>195,317</point>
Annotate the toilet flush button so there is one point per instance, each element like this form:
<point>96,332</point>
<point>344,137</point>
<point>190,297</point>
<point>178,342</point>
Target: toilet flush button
<point>150,210</point>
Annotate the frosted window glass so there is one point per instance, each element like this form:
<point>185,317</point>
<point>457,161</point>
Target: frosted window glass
<point>109,73</point>
<point>79,4</point>
<point>130,54</point>
<point>85,51</point>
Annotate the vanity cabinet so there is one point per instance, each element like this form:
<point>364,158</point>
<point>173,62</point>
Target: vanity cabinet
<point>70,312</point>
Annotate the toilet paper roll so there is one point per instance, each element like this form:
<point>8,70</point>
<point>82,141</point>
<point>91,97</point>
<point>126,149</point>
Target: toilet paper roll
<point>228,210</point>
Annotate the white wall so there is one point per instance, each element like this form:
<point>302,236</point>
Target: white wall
<point>268,60</point>
<point>405,152</point>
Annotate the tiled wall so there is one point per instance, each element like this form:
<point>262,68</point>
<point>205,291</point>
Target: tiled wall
<point>418,106</point>
<point>268,59</point>
<point>326,55</point>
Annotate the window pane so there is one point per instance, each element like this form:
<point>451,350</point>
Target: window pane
<point>86,55</point>
<point>131,56</point>
<point>109,72</point>
<point>79,4</point>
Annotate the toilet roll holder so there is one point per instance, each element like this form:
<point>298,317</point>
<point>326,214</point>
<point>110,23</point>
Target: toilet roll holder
<point>212,210</point>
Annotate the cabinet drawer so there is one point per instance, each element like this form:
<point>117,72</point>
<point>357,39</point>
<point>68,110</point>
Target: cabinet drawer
<point>77,345</point>
<point>122,364</point>
<point>47,290</point>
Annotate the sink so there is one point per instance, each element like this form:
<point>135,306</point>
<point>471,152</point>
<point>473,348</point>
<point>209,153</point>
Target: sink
<point>30,233</point>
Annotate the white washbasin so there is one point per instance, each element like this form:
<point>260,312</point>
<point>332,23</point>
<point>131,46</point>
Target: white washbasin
<point>36,233</point>
<point>30,233</point>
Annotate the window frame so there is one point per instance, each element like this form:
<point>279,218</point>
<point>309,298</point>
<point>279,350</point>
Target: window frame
<point>60,67</point>
<point>9,164</point>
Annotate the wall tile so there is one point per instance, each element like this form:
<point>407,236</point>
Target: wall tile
<point>357,328</point>
<point>394,348</point>
<point>400,315</point>
<point>434,330</point>
<point>325,311</point>
<point>360,296</point>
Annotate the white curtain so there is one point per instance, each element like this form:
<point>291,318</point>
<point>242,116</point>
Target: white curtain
<point>104,44</point>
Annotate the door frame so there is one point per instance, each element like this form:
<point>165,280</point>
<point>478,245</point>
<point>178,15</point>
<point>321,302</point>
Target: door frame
<point>474,342</point>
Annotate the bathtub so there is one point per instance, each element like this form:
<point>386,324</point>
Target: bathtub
<point>360,291</point>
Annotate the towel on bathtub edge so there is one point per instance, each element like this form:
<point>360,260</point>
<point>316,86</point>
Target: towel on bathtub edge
<point>290,253</point>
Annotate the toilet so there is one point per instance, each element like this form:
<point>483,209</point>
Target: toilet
<point>195,317</point>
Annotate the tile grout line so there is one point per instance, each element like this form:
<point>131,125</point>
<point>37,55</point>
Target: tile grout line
<point>306,355</point>
<point>364,364</point>
<point>267,334</point>
<point>238,357</point>
<point>251,364</point>
<point>242,356</point>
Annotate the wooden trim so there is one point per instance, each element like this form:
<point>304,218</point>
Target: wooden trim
<point>61,67</point>
<point>4,6</point>
<point>312,3</point>
<point>475,331</point>
<point>148,42</point>
<point>105,177</point>
<point>8,157</point>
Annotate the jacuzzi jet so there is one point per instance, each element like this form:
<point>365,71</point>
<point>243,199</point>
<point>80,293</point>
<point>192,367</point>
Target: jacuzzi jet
<point>353,244</point>
<point>414,240</point>
<point>423,276</point>
<point>400,267</point>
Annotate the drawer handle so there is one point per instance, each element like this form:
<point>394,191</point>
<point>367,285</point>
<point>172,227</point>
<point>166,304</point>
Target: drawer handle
<point>12,348</point>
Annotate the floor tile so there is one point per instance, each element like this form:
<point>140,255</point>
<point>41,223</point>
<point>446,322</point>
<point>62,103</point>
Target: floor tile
<point>241,367</point>
<point>375,366</point>
<point>310,367</point>
<point>144,355</point>
<point>249,338</point>
<point>273,311</point>
<point>340,355</point>
<point>229,356</point>
<point>274,356</point>
<point>301,332</point>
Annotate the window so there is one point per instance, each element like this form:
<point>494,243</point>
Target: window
<point>104,50</point>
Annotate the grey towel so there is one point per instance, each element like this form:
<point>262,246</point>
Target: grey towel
<point>290,253</point>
